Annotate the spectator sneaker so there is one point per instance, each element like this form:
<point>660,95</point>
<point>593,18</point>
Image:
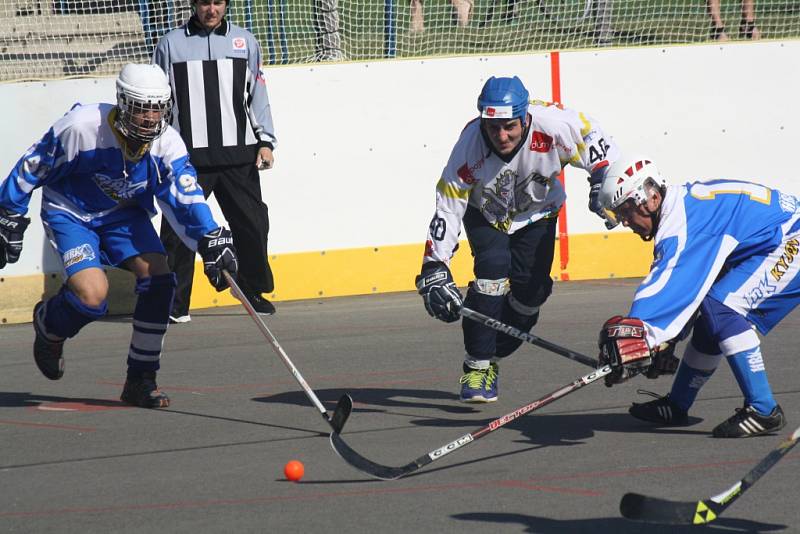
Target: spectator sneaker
<point>747,422</point>
<point>47,352</point>
<point>142,391</point>
<point>479,385</point>
<point>661,411</point>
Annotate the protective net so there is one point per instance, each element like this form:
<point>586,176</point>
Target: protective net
<point>51,39</point>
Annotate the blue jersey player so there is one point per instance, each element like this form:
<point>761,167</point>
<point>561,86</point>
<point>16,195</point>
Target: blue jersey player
<point>724,267</point>
<point>100,168</point>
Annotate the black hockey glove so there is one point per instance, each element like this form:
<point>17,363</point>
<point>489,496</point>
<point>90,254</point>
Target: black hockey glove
<point>12,227</point>
<point>439,292</point>
<point>623,346</point>
<point>664,361</point>
<point>218,253</point>
<point>595,183</point>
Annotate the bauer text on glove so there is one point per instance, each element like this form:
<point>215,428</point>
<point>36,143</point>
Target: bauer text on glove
<point>218,253</point>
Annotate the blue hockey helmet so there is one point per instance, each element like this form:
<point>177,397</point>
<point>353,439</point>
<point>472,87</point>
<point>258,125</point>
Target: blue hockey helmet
<point>503,98</point>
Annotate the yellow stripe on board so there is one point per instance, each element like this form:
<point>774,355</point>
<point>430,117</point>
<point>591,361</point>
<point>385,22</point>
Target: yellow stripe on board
<point>335,273</point>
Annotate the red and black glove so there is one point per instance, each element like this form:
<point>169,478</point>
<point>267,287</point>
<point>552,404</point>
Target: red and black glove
<point>623,346</point>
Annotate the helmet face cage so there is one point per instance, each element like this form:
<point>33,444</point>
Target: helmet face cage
<point>503,98</point>
<point>144,102</point>
<point>142,121</point>
<point>630,179</point>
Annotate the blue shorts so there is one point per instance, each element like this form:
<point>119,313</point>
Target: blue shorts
<point>81,247</point>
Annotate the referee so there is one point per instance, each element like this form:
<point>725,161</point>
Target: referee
<point>222,112</point>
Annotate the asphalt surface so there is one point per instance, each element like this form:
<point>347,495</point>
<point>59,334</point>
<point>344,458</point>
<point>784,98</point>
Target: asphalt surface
<point>74,459</point>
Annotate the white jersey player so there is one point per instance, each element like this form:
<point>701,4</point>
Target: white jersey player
<point>100,167</point>
<point>501,183</point>
<point>726,249</point>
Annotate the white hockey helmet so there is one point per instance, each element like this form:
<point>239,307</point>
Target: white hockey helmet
<point>628,177</point>
<point>144,102</point>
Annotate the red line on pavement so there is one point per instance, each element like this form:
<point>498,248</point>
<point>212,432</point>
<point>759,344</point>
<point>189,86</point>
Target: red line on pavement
<point>44,425</point>
<point>273,499</point>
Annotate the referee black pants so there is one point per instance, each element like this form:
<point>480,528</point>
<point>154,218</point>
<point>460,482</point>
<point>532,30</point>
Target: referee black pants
<point>237,190</point>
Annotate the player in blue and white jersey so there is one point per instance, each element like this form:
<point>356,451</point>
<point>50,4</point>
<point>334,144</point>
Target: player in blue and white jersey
<point>501,184</point>
<point>725,265</point>
<point>100,168</point>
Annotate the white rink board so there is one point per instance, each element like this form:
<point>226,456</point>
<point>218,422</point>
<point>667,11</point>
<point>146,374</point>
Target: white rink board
<point>362,145</point>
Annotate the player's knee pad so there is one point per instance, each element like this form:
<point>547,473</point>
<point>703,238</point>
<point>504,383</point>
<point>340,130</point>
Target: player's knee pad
<point>721,326</point>
<point>484,296</point>
<point>520,316</point>
<point>150,321</point>
<point>64,314</point>
<point>532,291</point>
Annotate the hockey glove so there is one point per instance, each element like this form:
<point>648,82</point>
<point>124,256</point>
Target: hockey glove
<point>218,253</point>
<point>439,292</point>
<point>664,361</point>
<point>12,227</point>
<point>623,346</point>
<point>595,183</point>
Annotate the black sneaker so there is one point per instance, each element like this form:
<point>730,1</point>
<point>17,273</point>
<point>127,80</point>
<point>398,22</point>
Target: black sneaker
<point>747,422</point>
<point>661,411</point>
<point>47,353</point>
<point>261,305</point>
<point>143,392</point>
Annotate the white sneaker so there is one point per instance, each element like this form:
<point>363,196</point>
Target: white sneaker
<point>180,319</point>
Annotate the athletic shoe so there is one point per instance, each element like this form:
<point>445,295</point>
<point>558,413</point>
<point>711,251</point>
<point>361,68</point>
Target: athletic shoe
<point>175,319</point>
<point>747,422</point>
<point>143,392</point>
<point>261,305</point>
<point>661,411</point>
<point>47,353</point>
<point>479,385</point>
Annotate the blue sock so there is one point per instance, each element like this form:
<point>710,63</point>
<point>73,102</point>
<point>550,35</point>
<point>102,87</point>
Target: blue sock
<point>150,320</point>
<point>748,368</point>
<point>687,384</point>
<point>65,314</point>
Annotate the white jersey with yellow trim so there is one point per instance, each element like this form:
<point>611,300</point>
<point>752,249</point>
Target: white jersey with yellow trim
<point>513,194</point>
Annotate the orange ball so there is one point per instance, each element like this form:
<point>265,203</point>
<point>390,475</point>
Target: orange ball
<point>294,470</point>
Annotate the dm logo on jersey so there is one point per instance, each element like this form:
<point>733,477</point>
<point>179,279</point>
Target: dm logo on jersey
<point>465,174</point>
<point>78,254</point>
<point>541,142</point>
<point>118,189</point>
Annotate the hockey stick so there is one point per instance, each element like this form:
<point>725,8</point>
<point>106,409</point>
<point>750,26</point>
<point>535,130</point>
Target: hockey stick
<point>345,404</point>
<point>494,324</point>
<point>385,472</point>
<point>644,508</point>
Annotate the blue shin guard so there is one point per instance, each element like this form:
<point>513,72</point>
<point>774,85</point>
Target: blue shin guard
<point>150,321</point>
<point>687,384</point>
<point>748,368</point>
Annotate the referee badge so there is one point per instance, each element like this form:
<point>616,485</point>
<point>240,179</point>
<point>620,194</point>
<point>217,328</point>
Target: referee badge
<point>239,44</point>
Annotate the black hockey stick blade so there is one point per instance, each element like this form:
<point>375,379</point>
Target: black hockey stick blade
<point>386,472</point>
<point>341,413</point>
<point>652,509</point>
<point>382,472</point>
